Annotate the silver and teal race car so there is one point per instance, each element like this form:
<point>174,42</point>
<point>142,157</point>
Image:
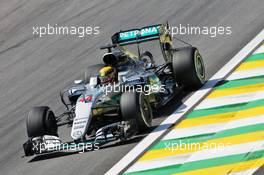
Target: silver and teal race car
<point>99,113</point>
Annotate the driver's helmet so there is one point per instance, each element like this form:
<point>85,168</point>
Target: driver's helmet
<point>107,75</point>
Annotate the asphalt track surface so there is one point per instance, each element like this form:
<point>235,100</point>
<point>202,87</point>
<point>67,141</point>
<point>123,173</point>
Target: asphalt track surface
<point>33,69</point>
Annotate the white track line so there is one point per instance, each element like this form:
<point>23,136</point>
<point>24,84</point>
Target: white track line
<point>260,50</point>
<point>247,172</point>
<point>159,163</point>
<point>213,128</point>
<point>246,74</point>
<point>230,100</point>
<point>233,123</point>
<point>226,151</point>
<point>194,131</point>
<point>185,107</point>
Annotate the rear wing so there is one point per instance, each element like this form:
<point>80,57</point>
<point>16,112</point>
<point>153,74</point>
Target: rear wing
<point>133,36</point>
<point>158,32</point>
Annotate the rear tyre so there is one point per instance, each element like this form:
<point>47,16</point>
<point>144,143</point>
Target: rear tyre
<point>188,68</point>
<point>91,71</point>
<point>41,121</point>
<point>136,108</point>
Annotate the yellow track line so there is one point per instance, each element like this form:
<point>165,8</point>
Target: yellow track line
<point>250,65</point>
<point>220,118</point>
<point>237,90</point>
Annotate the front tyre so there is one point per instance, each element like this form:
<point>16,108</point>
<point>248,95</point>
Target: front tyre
<point>136,108</point>
<point>41,121</point>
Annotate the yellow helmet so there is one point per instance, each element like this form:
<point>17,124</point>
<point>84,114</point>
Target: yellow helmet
<point>107,75</point>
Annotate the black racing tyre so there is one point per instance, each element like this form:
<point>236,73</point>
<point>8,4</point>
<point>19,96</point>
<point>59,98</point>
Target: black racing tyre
<point>91,71</point>
<point>188,68</point>
<point>134,106</point>
<point>41,121</point>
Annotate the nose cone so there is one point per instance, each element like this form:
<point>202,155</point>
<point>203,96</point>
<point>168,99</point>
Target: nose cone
<point>82,119</point>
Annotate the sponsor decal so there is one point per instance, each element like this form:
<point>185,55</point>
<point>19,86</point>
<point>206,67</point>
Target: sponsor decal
<point>133,34</point>
<point>88,98</point>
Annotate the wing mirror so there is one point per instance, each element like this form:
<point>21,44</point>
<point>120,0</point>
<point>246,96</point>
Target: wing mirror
<point>93,81</point>
<point>78,81</point>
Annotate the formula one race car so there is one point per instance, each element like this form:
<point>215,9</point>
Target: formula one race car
<point>116,99</point>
